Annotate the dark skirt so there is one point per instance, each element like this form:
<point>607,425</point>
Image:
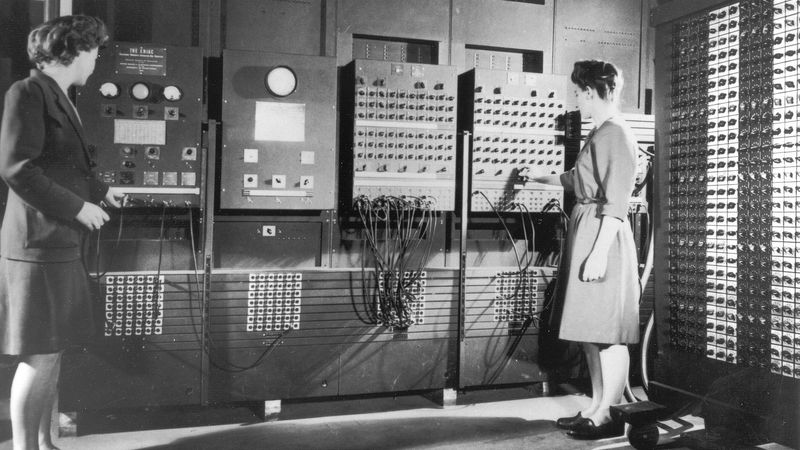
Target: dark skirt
<point>44,307</point>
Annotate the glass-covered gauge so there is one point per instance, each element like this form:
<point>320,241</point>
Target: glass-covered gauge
<point>140,91</point>
<point>281,81</point>
<point>172,93</point>
<point>109,90</point>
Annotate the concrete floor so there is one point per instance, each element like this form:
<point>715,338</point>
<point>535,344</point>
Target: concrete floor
<point>498,419</point>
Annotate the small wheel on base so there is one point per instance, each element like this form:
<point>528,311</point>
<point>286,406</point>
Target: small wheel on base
<point>644,436</point>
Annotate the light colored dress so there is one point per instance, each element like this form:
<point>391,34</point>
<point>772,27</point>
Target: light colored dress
<point>604,311</point>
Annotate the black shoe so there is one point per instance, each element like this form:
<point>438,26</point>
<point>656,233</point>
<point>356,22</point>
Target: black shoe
<point>586,429</point>
<point>567,423</point>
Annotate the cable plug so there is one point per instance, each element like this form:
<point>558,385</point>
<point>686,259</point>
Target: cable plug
<point>523,175</point>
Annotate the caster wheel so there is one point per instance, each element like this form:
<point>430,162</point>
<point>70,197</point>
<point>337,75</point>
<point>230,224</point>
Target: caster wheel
<point>643,437</point>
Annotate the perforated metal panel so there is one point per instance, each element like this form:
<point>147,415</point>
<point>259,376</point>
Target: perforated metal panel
<point>517,124</point>
<point>403,136</point>
<point>278,152</point>
<point>141,111</point>
<point>609,30</point>
<point>148,346</point>
<point>726,276</point>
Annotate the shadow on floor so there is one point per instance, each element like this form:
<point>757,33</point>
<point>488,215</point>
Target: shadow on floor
<point>140,419</point>
<point>461,432</point>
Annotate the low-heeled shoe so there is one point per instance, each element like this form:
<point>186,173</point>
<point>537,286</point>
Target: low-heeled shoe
<point>586,429</point>
<point>566,423</point>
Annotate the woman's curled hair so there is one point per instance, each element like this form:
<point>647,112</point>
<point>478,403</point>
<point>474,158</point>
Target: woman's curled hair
<point>603,77</point>
<point>60,39</point>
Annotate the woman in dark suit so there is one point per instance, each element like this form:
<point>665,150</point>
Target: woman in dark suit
<point>52,202</point>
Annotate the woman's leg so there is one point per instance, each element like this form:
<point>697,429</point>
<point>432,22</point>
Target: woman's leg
<point>592,353</point>
<point>45,424</point>
<point>614,362</point>
<point>28,395</point>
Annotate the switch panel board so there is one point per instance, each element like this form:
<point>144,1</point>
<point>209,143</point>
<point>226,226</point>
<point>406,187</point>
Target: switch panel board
<point>505,296</point>
<point>728,303</point>
<point>327,344</point>
<point>134,305</point>
<point>142,113</point>
<point>148,348</point>
<point>393,50</point>
<point>278,132</point>
<point>502,317</point>
<point>516,120</point>
<point>274,301</point>
<point>403,124</point>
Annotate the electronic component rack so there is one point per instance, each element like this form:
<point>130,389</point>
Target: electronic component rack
<point>502,318</point>
<point>516,121</point>
<point>148,349</point>
<point>399,120</point>
<point>278,132</point>
<point>726,280</point>
<point>141,111</point>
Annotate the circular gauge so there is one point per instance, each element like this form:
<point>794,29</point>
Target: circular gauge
<point>172,93</point>
<point>281,81</point>
<point>140,91</point>
<point>109,90</point>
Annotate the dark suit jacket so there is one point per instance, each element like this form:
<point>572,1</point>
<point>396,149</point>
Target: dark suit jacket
<point>44,159</point>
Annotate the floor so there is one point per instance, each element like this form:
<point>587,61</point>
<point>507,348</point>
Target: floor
<point>498,419</point>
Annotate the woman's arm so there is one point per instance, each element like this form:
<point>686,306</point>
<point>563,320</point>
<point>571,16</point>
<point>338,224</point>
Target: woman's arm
<point>552,180</point>
<point>22,140</point>
<point>594,267</point>
<point>564,179</point>
<point>615,162</point>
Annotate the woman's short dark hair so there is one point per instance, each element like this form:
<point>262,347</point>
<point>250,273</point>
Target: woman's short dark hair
<point>60,39</point>
<point>603,77</point>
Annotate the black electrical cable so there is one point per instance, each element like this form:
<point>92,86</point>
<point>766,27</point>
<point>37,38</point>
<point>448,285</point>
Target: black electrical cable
<point>109,325</point>
<point>505,227</point>
<point>198,286</point>
<point>235,368</point>
<point>564,223</point>
<point>394,228</point>
<point>523,279</point>
<point>553,258</point>
<point>209,346</point>
<point>158,286</point>
<point>84,242</point>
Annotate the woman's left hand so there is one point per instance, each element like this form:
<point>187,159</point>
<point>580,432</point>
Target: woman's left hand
<point>594,267</point>
<point>114,197</point>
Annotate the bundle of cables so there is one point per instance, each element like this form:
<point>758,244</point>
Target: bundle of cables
<point>523,278</point>
<point>398,232</point>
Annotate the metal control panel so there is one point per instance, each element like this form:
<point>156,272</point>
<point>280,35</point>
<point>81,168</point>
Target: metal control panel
<point>278,131</point>
<point>141,111</point>
<point>516,120</point>
<point>404,131</point>
<point>728,304</point>
<point>502,320</point>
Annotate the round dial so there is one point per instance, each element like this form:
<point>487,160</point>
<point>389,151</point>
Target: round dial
<point>281,81</point>
<point>109,90</point>
<point>172,93</point>
<point>140,91</point>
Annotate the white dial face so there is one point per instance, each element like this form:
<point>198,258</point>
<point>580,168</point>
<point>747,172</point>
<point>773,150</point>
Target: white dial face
<point>109,90</point>
<point>172,93</point>
<point>281,81</point>
<point>140,91</point>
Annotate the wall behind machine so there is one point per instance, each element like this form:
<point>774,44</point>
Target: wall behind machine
<point>597,30</point>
